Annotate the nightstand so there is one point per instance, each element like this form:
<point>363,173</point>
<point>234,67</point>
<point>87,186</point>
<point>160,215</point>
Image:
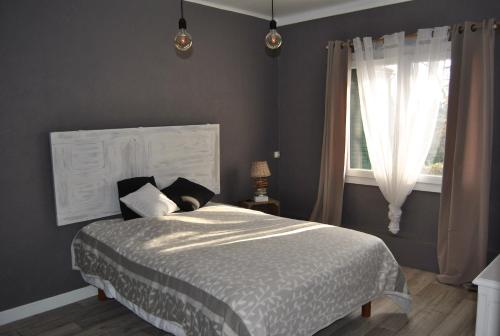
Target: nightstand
<point>488,299</point>
<point>271,207</point>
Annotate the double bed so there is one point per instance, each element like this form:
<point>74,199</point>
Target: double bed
<point>224,270</point>
<point>218,270</point>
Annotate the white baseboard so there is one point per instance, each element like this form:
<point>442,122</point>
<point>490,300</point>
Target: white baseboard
<point>37,307</point>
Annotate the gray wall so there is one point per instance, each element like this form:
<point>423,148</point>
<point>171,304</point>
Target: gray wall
<point>302,65</point>
<point>94,64</point>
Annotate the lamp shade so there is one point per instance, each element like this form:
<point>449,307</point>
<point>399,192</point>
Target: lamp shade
<point>260,169</point>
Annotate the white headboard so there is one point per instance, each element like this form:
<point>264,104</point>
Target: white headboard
<point>87,164</point>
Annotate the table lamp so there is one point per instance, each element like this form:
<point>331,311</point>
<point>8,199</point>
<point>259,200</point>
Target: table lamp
<point>260,172</point>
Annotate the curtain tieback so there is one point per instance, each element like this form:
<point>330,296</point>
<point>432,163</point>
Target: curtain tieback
<point>395,217</point>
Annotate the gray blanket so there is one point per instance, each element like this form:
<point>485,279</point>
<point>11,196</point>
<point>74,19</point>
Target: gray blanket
<point>223,270</point>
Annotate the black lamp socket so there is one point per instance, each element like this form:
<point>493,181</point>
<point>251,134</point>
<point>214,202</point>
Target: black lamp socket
<point>182,23</point>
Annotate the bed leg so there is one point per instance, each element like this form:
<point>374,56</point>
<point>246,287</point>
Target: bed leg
<point>101,296</point>
<point>366,309</point>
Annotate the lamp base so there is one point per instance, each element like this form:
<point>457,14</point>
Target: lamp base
<point>260,194</point>
<point>261,198</point>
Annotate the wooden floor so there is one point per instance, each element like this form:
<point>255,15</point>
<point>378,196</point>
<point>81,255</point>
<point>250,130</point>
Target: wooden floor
<point>437,310</point>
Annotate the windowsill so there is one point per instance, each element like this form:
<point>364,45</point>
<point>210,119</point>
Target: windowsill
<point>429,183</point>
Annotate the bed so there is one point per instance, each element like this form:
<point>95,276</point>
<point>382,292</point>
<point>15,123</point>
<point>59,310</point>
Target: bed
<point>224,270</point>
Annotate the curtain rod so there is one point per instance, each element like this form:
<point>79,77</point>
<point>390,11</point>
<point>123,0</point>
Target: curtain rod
<point>473,27</point>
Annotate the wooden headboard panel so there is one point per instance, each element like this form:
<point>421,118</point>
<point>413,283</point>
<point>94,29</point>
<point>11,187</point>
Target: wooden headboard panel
<point>87,164</point>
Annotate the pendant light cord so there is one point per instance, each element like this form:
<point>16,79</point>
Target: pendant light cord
<point>272,9</point>
<point>182,21</point>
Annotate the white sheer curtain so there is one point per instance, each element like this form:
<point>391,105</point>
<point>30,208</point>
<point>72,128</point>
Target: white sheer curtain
<point>400,87</point>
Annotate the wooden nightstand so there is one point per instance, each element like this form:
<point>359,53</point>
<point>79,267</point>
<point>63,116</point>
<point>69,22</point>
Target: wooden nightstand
<point>271,207</point>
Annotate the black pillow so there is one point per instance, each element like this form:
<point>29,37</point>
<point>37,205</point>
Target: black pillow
<point>188,195</point>
<point>128,186</point>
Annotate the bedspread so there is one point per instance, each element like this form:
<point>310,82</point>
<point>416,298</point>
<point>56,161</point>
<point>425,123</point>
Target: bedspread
<point>224,270</point>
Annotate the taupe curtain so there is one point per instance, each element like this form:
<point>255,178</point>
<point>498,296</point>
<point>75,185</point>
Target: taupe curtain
<point>465,196</point>
<point>328,207</point>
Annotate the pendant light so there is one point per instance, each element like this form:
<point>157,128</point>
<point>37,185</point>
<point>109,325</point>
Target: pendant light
<point>273,38</point>
<point>183,40</point>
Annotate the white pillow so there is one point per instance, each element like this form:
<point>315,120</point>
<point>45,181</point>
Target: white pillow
<point>148,201</point>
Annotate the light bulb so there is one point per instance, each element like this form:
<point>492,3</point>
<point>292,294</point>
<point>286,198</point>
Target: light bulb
<point>183,40</point>
<point>273,39</point>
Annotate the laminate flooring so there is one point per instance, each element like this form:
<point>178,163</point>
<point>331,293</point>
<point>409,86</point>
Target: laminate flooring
<point>437,310</point>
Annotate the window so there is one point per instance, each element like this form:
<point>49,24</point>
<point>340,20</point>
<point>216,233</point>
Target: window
<point>359,167</point>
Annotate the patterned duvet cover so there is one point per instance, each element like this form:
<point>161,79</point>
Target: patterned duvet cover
<point>223,270</point>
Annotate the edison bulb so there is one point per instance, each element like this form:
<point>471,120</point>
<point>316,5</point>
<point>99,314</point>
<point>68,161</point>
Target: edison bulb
<point>273,39</point>
<point>183,40</point>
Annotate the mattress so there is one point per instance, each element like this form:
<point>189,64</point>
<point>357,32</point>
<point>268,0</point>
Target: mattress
<point>224,270</point>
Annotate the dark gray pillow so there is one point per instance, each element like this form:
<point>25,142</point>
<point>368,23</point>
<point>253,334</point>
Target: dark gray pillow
<point>187,194</point>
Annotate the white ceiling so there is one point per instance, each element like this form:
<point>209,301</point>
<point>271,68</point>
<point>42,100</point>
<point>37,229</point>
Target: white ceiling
<point>293,11</point>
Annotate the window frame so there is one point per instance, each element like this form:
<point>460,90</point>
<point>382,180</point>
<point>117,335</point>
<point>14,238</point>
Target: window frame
<point>425,182</point>
<point>428,183</point>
